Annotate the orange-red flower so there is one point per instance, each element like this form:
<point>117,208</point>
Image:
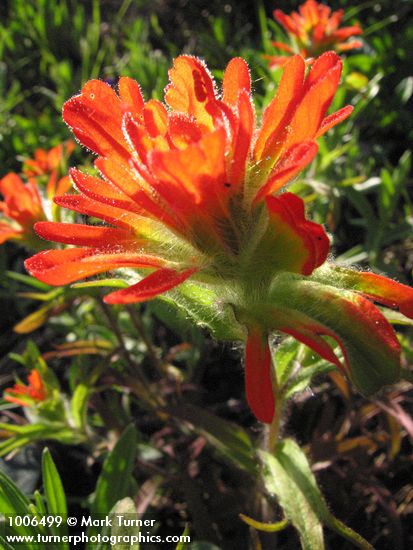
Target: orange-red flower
<point>23,203</point>
<point>46,162</point>
<point>184,187</point>
<point>27,395</point>
<point>189,192</point>
<point>313,30</point>
<point>21,208</point>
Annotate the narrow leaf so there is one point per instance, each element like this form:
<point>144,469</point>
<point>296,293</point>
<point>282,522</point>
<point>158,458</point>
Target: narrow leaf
<point>5,545</point>
<point>265,527</point>
<point>54,493</point>
<point>116,477</point>
<point>126,508</point>
<point>28,280</point>
<point>182,544</point>
<point>14,502</point>
<point>113,283</point>
<point>288,475</point>
<point>78,405</point>
<point>38,499</point>
<point>229,439</point>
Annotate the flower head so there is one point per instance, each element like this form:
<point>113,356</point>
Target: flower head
<point>313,30</point>
<point>190,192</point>
<point>186,188</point>
<point>45,162</point>
<point>20,209</point>
<point>28,395</point>
<point>23,203</point>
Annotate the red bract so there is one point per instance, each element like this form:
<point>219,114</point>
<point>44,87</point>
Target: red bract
<point>27,395</point>
<point>188,192</point>
<point>313,30</point>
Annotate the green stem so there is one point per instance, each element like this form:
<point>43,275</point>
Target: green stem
<point>347,533</point>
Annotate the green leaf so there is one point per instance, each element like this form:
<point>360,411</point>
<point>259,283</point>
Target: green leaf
<point>54,493</point>
<point>34,321</point>
<point>404,89</point>
<point>12,443</point>
<point>182,545</point>
<point>347,533</point>
<point>265,527</point>
<point>357,81</point>
<point>263,23</point>
<point>288,475</point>
<point>363,206</point>
<point>303,379</point>
<point>38,499</point>
<point>14,502</point>
<point>324,299</point>
<point>5,545</point>
<point>31,429</point>
<point>41,296</point>
<point>78,405</point>
<point>284,359</point>
<point>112,283</point>
<point>27,280</point>
<point>387,195</point>
<point>395,317</point>
<point>116,477</point>
<point>403,169</point>
<point>294,374</point>
<point>328,158</point>
<point>125,507</point>
<point>22,435</point>
<point>229,439</point>
<point>53,487</point>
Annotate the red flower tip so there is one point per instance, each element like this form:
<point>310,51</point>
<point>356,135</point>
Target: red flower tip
<point>258,382</point>
<point>150,287</point>
<point>26,395</point>
<point>308,242</point>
